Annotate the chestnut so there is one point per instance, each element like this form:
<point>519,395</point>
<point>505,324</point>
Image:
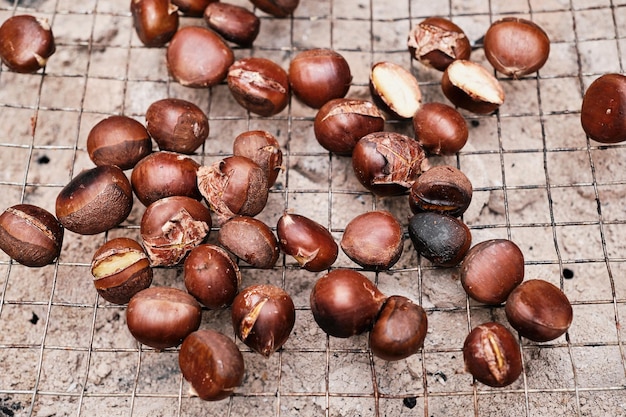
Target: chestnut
<point>30,235</point>
<point>165,174</point>
<point>442,189</point>
<point>251,240</point>
<point>235,23</point>
<point>307,241</point>
<point>491,270</point>
<point>341,122</point>
<point>177,125</point>
<point>603,107</point>
<point>492,355</point>
<point>387,163</point>
<point>193,8</point>
<point>26,43</point>
<point>161,317</point>
<point>211,276</point>
<point>277,8</point>
<point>171,227</point>
<point>539,310</point>
<point>442,239</point>
<point>399,330</point>
<point>234,185</point>
<point>345,303</point>
<point>155,21</point>
<point>197,57</point>
<point>263,149</point>
<point>395,90</point>
<point>263,317</point>
<point>516,47</point>
<point>120,269</point>
<point>95,201</point>
<point>436,42</point>
<point>470,86</point>
<point>374,240</point>
<point>118,140</point>
<point>440,129</point>
<point>319,75</point>
<point>212,364</point>
<point>259,85</point>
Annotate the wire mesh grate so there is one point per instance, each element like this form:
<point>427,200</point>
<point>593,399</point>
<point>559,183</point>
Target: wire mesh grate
<point>537,180</point>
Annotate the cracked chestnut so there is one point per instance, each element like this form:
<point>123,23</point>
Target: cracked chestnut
<point>440,129</point>
<point>603,109</point>
<point>235,23</point>
<point>250,240</point>
<point>26,43</point>
<point>263,149</point>
<point>442,189</point>
<point>470,86</point>
<point>118,140</point>
<point>436,42</point>
<point>395,90</point>
<point>155,21</point>
<point>442,239</point>
<point>177,125</point>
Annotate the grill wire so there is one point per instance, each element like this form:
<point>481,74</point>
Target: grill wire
<point>537,180</point>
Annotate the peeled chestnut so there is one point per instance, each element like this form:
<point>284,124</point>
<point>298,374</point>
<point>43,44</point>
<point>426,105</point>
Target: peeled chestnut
<point>440,129</point>
<point>263,149</point>
<point>436,42</point>
<point>211,276</point>
<point>603,109</point>
<point>30,235</point>
<point>235,23</point>
<point>470,86</point>
<point>177,125</point>
<point>277,8</point>
<point>387,163</point>
<point>307,241</point>
<point>374,240</point>
<point>319,75</point>
<point>26,43</point>
<point>539,310</point>
<point>263,317</point>
<point>399,330</point>
<point>95,201</point>
<point>165,174</point>
<point>118,140</point>
<point>516,47</point>
<point>161,317</point>
<point>442,239</point>
<point>120,269</point>
<point>395,89</point>
<point>251,240</point>
<point>345,303</point>
<point>193,8</point>
<point>212,363</point>
<point>155,21</point>
<point>442,189</point>
<point>492,355</point>
<point>172,226</point>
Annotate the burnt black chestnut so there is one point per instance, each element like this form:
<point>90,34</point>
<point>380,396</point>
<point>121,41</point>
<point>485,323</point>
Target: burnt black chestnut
<point>118,140</point>
<point>442,239</point>
<point>26,43</point>
<point>442,189</point>
<point>155,21</point>
<point>436,42</point>
<point>440,129</point>
<point>177,125</point>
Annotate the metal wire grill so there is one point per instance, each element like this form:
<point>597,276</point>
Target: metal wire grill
<point>537,180</point>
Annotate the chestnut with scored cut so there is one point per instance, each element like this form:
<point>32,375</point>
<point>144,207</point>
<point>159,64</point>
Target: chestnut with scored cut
<point>235,23</point>
<point>155,21</point>
<point>118,140</point>
<point>251,240</point>
<point>440,129</point>
<point>177,125</point>
<point>603,110</point>
<point>395,90</point>
<point>442,189</point>
<point>263,317</point>
<point>277,8</point>
<point>26,43</point>
<point>442,239</point>
<point>470,86</point>
<point>263,149</point>
<point>436,42</point>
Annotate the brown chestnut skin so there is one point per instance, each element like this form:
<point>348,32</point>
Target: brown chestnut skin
<point>263,149</point>
<point>177,125</point>
<point>387,163</point>
<point>26,43</point>
<point>374,240</point>
<point>118,140</point>
<point>470,86</point>
<point>277,8</point>
<point>603,110</point>
<point>95,201</point>
<point>235,23</point>
<point>399,330</point>
<point>345,303</point>
<point>120,269</point>
<point>161,317</point>
<point>491,270</point>
<point>30,235</point>
<point>193,8</point>
<point>263,317</point>
<point>211,276</point>
<point>436,42</point>
<point>516,47</point>
<point>395,90</point>
<point>307,241</point>
<point>171,227</point>
<point>250,240</point>
<point>234,185</point>
<point>155,21</point>
<point>442,189</point>
<point>319,75</point>
<point>440,129</point>
<point>165,174</point>
<point>539,310</point>
<point>212,364</point>
<point>197,57</point>
<point>341,122</point>
<point>442,239</point>
<point>492,355</point>
<point>259,85</point>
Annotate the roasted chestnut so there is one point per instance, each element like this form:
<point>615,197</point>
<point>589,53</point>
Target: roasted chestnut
<point>193,8</point>
<point>251,240</point>
<point>26,43</point>
<point>603,109</point>
<point>442,189</point>
<point>436,42</point>
<point>263,149</point>
<point>177,125</point>
<point>442,239</point>
<point>470,86</point>
<point>395,90</point>
<point>277,8</point>
<point>235,23</point>
<point>155,21</point>
<point>440,129</point>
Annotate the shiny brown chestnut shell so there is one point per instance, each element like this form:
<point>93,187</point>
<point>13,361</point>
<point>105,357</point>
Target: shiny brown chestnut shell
<point>155,21</point>
<point>263,317</point>
<point>277,8</point>
<point>436,42</point>
<point>26,43</point>
<point>395,90</point>
<point>603,111</point>
<point>440,129</point>
<point>263,149</point>
<point>470,86</point>
<point>250,240</point>
<point>193,8</point>
<point>118,140</point>
<point>30,235</point>
<point>177,125</point>
<point>442,189</point>
<point>235,23</point>
<point>442,239</point>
